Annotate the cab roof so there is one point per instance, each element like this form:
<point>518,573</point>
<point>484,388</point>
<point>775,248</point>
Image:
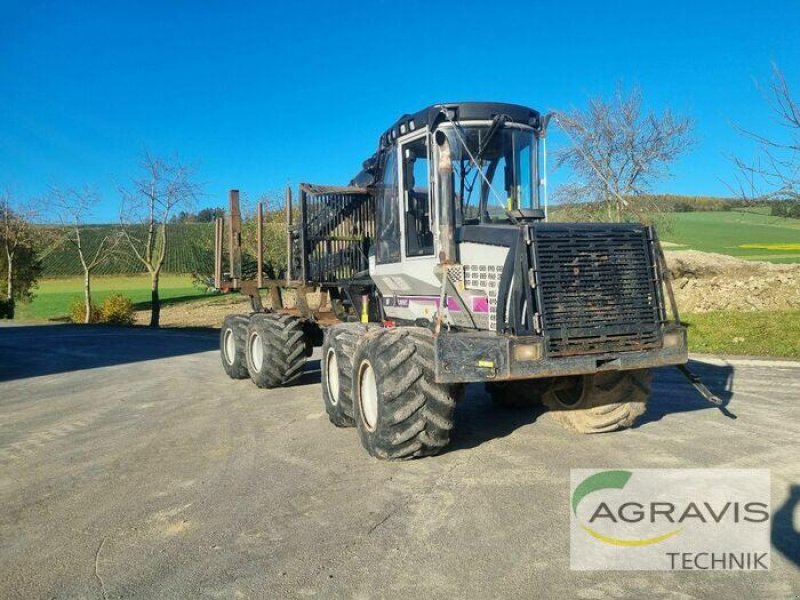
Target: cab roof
<point>459,111</point>
<point>433,115</point>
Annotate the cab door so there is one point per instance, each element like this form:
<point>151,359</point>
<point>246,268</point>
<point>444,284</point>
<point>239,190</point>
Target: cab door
<point>405,255</point>
<point>417,200</point>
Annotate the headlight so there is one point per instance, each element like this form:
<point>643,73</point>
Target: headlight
<point>675,339</point>
<point>527,352</point>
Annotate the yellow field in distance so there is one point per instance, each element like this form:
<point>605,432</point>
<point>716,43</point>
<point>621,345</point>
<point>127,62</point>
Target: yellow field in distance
<point>770,246</point>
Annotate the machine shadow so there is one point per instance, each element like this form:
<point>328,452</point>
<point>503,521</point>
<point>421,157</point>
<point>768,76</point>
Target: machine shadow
<point>312,374</point>
<point>785,535</point>
<point>147,304</point>
<point>35,350</point>
<point>479,421</point>
<point>672,393</point>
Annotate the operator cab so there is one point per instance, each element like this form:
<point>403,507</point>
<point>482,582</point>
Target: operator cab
<point>441,177</point>
<point>488,151</point>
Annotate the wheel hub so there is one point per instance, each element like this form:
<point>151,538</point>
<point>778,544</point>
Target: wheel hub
<point>332,376</point>
<point>229,346</point>
<point>571,395</point>
<point>256,351</point>
<point>368,395</point>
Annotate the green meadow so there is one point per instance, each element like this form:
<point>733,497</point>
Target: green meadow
<point>728,332</point>
<point>747,235</point>
<point>54,296</point>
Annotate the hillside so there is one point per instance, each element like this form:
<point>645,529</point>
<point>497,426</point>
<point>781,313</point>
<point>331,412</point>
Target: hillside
<point>746,233</point>
<point>190,249</point>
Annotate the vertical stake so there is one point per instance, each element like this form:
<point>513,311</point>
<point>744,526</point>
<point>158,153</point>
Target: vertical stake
<point>219,232</point>
<point>236,240</point>
<point>288,234</point>
<point>260,244</point>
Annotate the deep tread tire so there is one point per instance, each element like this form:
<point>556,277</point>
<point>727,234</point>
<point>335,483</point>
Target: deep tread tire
<point>234,334</point>
<point>414,415</point>
<point>340,344</point>
<point>522,393</point>
<point>607,401</point>
<point>283,349</point>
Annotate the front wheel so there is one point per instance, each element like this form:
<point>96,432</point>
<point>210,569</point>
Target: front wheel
<point>601,402</point>
<point>399,410</point>
<point>337,370</point>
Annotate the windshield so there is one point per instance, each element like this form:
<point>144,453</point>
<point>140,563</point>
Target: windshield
<point>498,175</point>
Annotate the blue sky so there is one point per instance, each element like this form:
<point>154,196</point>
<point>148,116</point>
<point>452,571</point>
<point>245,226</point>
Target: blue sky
<point>261,93</point>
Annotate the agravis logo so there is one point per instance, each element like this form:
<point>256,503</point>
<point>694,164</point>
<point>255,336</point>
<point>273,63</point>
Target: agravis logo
<point>603,481</point>
<point>674,519</point>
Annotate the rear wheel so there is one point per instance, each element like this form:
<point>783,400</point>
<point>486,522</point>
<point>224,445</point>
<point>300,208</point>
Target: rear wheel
<point>232,346</point>
<point>276,349</point>
<point>337,371</point>
<point>399,410</point>
<point>601,402</point>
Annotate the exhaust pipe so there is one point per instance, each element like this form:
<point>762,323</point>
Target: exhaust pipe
<point>447,254</point>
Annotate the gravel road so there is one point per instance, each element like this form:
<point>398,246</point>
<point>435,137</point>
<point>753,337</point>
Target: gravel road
<point>131,467</point>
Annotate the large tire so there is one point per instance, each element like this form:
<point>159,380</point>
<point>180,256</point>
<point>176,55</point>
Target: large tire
<point>521,393</point>
<point>400,412</point>
<point>232,343</point>
<point>599,403</point>
<point>276,349</point>
<point>337,370</point>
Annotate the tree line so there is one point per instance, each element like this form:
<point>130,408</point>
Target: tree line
<point>163,187</point>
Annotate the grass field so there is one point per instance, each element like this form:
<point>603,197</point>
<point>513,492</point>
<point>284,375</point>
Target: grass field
<point>766,333</point>
<point>747,235</point>
<point>54,296</point>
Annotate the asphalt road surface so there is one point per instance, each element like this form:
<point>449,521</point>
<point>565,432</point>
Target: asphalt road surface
<point>131,467</point>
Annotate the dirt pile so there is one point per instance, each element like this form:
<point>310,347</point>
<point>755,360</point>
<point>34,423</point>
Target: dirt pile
<point>704,282</point>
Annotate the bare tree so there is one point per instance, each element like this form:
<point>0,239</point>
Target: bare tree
<point>775,171</point>
<point>167,185</point>
<point>74,207</point>
<point>618,149</point>
<point>19,234</point>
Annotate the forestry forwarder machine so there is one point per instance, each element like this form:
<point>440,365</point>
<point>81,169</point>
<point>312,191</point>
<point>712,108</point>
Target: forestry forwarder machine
<point>443,270</point>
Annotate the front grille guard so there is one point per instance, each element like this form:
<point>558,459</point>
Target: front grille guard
<point>611,320</point>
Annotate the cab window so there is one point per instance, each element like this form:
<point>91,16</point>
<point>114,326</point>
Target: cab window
<point>417,201</point>
<point>387,213</point>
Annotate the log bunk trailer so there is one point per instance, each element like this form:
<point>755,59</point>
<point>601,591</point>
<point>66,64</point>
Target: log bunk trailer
<point>441,269</point>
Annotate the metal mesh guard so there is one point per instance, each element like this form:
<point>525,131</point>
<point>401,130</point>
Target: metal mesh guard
<point>596,287</point>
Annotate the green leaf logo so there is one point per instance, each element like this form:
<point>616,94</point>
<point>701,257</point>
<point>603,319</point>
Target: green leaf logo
<point>605,480</point>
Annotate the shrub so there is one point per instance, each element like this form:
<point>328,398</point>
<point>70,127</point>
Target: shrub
<point>77,312</point>
<point>116,309</point>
